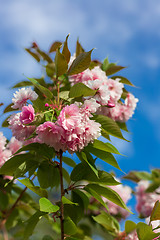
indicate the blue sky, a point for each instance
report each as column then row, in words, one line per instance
column 126, row 31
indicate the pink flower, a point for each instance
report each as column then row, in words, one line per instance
column 4, row 156
column 115, row 88
column 22, row 96
column 14, row 145
column 90, row 106
column 132, row 236
column 20, row 131
column 69, row 117
column 27, row 115
column 2, row 141
column 145, row 201
column 51, row 134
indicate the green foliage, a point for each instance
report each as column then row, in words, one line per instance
column 60, row 64
column 41, row 88
column 80, row 89
column 145, row 232
column 47, row 206
column 129, row 226
column 155, row 214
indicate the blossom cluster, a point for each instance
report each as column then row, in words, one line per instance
column 7, row 149
column 108, row 94
column 72, row 130
column 145, row 200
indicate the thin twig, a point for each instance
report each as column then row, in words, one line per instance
column 62, row 194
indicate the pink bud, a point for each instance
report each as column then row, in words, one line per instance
column 46, row 105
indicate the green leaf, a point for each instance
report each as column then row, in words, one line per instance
column 41, row 148
column 70, row 162
column 41, row 88
column 69, row 226
column 84, row 198
column 22, row 84
column 81, row 63
column 106, row 147
column 47, row 206
column 66, row 51
column 13, row 163
column 155, row 214
column 112, row 69
column 55, row 46
column 5, row 122
column 34, row 55
column 123, row 126
column 123, row 80
column 67, row 201
column 109, row 126
column 45, row 56
column 60, row 64
column 82, row 156
column 48, row 175
column 79, row 48
column 108, row 193
column 106, row 178
column 31, row 224
column 105, row 64
column 145, row 232
column 9, row 108
column 80, row 89
column 50, row 69
column 4, row 200
column 29, row 184
column 104, row 155
column 66, row 175
column 96, row 196
column 29, row 165
column 130, row 226
column 108, row 222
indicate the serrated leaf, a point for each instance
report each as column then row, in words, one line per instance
column 70, row 162
column 130, row 226
column 29, row 184
column 55, row 46
column 155, row 214
column 40, row 148
column 31, row 224
column 22, row 84
column 94, row 194
column 34, row 55
column 9, row 108
column 112, row 69
column 60, row 64
column 109, row 126
column 80, row 89
column 104, row 155
column 107, row 147
column 67, row 201
column 81, row 63
column 47, row 206
column 79, row 48
column 13, row 163
column 145, row 232
column 108, row 193
column 41, row 88
column 123, row 80
column 45, row 56
column 108, row 222
column 65, row 50
column 69, row 226
column 48, row 175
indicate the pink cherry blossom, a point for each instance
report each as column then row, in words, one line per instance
column 69, row 117
column 51, row 134
column 27, row 115
column 14, row 145
column 22, row 96
column 90, row 106
column 20, row 131
column 2, row 141
column 115, row 88
column 132, row 236
column 145, row 201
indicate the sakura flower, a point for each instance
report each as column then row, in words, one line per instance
column 145, row 201
column 115, row 88
column 20, row 131
column 14, row 145
column 22, row 96
column 132, row 236
column 51, row 134
column 27, row 115
column 90, row 105
column 69, row 117
column 2, row 141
